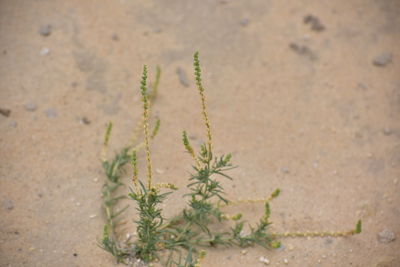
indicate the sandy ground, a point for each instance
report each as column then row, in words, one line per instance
column 312, row 108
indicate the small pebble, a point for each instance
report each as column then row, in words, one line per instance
column 78, row 204
column 182, row 76
column 84, row 120
column 5, row 112
column 8, row 204
column 264, row 260
column 244, row 252
column 285, row 261
column 30, row 106
column 386, row 236
column 244, row 22
column 285, row 170
column 45, row 30
column 92, row 216
column 51, row 113
column 315, row 23
column 95, row 180
column 387, row 131
column 44, row 51
column 303, row 50
column 383, row 59
column 115, row 37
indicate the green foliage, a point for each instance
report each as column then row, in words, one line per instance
column 150, row 234
column 177, row 241
column 358, row 227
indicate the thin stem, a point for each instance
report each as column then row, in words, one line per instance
column 203, row 99
column 146, row 125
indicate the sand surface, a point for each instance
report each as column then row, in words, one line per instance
column 310, row 108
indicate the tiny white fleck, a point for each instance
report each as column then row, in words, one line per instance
column 264, row 260
column 44, row 51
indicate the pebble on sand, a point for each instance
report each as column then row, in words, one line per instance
column 383, row 59
column 5, row 112
column 30, row 106
column 51, row 113
column 182, row 76
column 315, row 23
column 386, row 236
column 45, row 30
column 264, row 260
column 44, row 51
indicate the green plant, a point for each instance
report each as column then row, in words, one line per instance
column 178, row 241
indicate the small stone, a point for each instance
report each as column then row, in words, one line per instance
column 182, row 77
column 244, row 252
column 95, row 180
column 92, row 216
column 244, row 22
column 5, row 112
column 386, row 236
column 44, row 51
column 30, row 106
column 387, row 131
column 115, row 37
column 45, row 30
column 285, row 261
column 285, row 169
column 264, row 260
column 51, row 113
column 315, row 23
column 78, row 204
column 8, row 204
column 290, row 247
column 383, row 59
column 84, row 120
column 303, row 50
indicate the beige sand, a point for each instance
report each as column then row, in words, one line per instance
column 301, row 106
